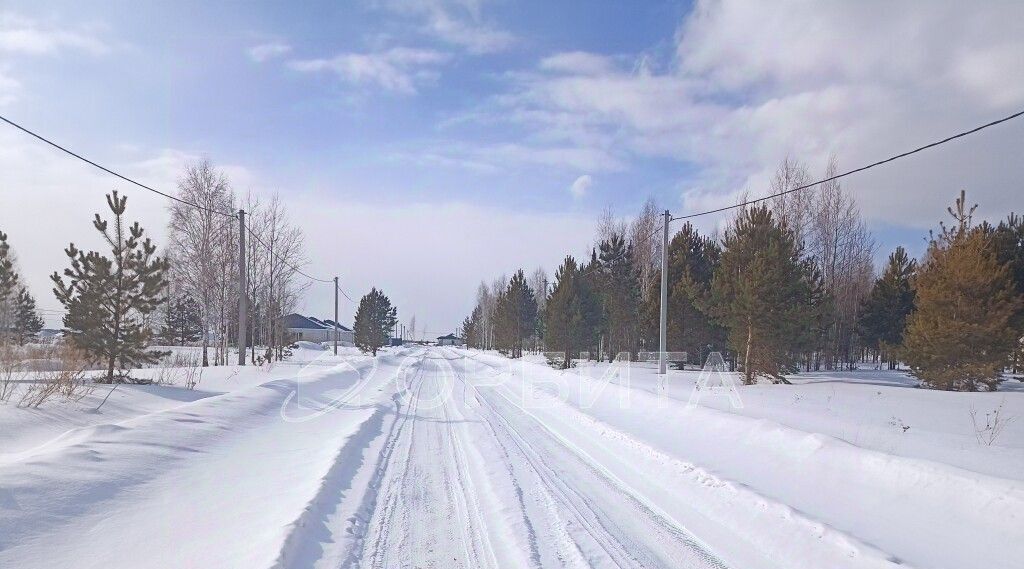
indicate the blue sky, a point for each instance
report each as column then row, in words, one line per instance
column 424, row 145
column 184, row 75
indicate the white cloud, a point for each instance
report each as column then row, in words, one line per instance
column 578, row 62
column 457, row 22
column 579, row 188
column 398, row 69
column 269, row 50
column 25, row 36
column 505, row 156
column 10, row 88
column 750, row 84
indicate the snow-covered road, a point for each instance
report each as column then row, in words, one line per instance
column 437, row 457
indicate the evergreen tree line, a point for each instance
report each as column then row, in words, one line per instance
column 789, row 285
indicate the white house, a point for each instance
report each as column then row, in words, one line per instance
column 449, row 340
column 311, row 329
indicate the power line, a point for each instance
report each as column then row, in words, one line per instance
column 829, row 179
column 295, row 268
column 345, row 294
column 108, row 170
column 255, row 235
column 855, row 170
column 232, row 215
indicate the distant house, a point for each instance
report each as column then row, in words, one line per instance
column 449, row 340
column 309, row 329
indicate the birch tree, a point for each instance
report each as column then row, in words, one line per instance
column 646, row 248
column 198, row 241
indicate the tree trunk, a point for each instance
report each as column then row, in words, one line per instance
column 748, row 377
column 206, row 345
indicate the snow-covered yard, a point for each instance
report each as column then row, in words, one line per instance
column 444, row 457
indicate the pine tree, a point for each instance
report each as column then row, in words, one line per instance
column 27, row 322
column 884, row 313
column 374, row 320
column 109, row 299
column 760, row 294
column 183, row 321
column 960, row 335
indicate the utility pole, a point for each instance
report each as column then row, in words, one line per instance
column 336, row 316
column 243, row 292
column 663, row 334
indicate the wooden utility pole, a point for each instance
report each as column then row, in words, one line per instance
column 663, row 333
column 336, row 332
column 243, row 296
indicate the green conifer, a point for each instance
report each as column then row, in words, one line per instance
column 109, row 299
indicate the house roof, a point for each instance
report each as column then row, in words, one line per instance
column 330, row 324
column 449, row 337
column 301, row 322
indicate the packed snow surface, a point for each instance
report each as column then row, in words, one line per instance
column 442, row 457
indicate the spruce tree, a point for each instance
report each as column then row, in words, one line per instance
column 183, row 321
column 8, row 284
column 814, row 317
column 587, row 306
column 1008, row 243
column 109, row 299
column 515, row 316
column 374, row 320
column 960, row 335
column 467, row 330
column 571, row 316
column 472, row 328
column 504, row 332
column 691, row 264
column 619, row 289
column 884, row 314
column 760, row 294
column 27, row 322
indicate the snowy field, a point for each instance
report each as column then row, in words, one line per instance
column 438, row 457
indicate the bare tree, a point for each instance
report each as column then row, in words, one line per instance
column 283, row 246
column 795, row 208
column 827, row 223
column 608, row 225
column 198, row 242
column 257, row 269
column 646, row 245
column 486, row 303
column 843, row 248
column 539, row 283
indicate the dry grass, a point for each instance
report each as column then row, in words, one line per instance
column 178, row 368
column 12, row 372
column 66, row 378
